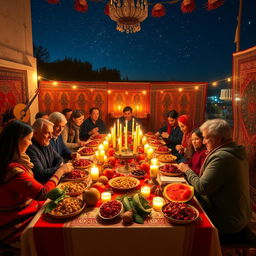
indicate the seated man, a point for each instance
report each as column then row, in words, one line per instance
column 67, row 112
column 92, row 125
column 223, row 183
column 41, row 115
column 45, row 159
column 127, row 115
column 59, row 121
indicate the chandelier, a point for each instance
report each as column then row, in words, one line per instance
column 127, row 15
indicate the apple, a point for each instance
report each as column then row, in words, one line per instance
column 100, row 186
column 141, row 157
column 109, row 173
column 112, row 160
column 145, row 166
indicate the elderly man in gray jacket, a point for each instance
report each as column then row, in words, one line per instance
column 223, row 183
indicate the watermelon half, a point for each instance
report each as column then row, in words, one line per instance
column 178, row 192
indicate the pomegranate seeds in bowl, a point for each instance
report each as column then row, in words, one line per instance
column 111, row 209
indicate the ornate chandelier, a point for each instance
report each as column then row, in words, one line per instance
column 127, row 15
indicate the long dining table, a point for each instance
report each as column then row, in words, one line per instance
column 88, row 234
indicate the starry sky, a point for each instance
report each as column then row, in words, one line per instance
column 177, row 47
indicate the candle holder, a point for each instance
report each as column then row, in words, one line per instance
column 125, row 155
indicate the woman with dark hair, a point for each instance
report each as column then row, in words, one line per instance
column 171, row 131
column 196, row 151
column 20, row 194
column 186, row 125
column 71, row 132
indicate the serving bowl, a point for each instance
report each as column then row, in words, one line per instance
column 110, row 210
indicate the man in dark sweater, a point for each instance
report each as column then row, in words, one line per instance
column 127, row 116
column 92, row 125
column 59, row 121
column 45, row 159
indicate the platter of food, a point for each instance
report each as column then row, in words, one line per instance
column 169, row 170
column 93, row 143
column 180, row 213
column 73, row 188
column 110, row 210
column 86, row 151
column 98, row 137
column 82, row 163
column 67, row 208
column 162, row 150
column 166, row 158
column 149, row 134
column 124, row 183
column 76, row 175
column 156, row 143
column 138, row 173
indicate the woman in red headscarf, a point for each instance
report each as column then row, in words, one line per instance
column 186, row 125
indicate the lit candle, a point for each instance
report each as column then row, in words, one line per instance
column 105, row 144
column 120, row 145
column 144, row 140
column 95, row 173
column 109, row 136
column 145, row 191
column 134, row 143
column 117, row 127
column 153, row 171
column 146, row 147
column 121, row 132
column 126, row 134
column 101, row 155
column 105, row 159
column 154, row 161
column 158, row 202
column 105, row 197
column 140, row 136
column 97, row 155
column 132, row 127
column 150, row 153
column 101, row 147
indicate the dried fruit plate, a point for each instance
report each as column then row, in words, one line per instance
column 173, row 211
column 86, row 151
column 165, row 151
column 112, row 209
column 124, row 183
column 93, row 143
column 166, row 158
column 171, row 171
column 59, row 211
column 139, row 174
column 98, row 137
column 156, row 143
column 76, row 175
column 73, row 188
column 82, row 163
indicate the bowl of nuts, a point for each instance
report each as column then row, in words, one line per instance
column 67, row 208
column 124, row 183
column 110, row 210
column 180, row 213
column 73, row 188
column 139, row 174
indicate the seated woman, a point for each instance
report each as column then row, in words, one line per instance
column 197, row 151
column 186, row 124
column 70, row 134
column 171, row 131
column 20, row 194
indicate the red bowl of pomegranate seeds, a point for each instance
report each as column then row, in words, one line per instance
column 76, row 175
column 110, row 210
column 180, row 213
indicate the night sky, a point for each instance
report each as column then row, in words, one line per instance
column 184, row 47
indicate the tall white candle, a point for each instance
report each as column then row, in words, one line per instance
column 150, row 153
column 118, row 127
column 144, row 140
column 134, row 143
column 94, row 173
column 126, row 135
column 132, row 127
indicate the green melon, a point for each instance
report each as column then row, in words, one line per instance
column 178, row 192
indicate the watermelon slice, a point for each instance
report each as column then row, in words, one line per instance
column 178, row 192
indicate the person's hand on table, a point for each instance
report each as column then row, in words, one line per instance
column 75, row 156
column 165, row 135
column 66, row 168
column 81, row 143
column 157, row 133
column 94, row 131
column 180, row 149
column 182, row 167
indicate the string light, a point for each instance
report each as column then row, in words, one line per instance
column 180, row 89
column 55, row 83
column 196, row 87
column 74, row 87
